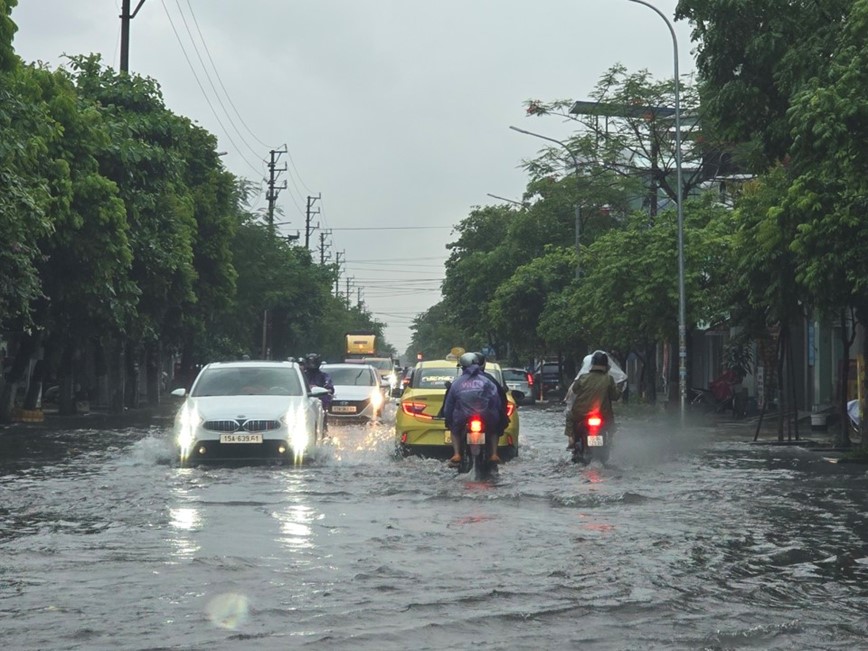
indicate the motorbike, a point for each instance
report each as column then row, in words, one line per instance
column 593, row 440
column 474, row 449
column 719, row 396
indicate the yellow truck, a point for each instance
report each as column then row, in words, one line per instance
column 361, row 343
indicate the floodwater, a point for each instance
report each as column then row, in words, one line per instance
column 690, row 541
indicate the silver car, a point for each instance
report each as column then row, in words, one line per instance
column 248, row 411
column 359, row 392
column 518, row 379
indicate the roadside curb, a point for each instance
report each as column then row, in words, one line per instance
column 52, row 421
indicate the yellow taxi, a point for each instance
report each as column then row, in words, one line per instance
column 419, row 426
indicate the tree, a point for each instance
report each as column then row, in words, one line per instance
column 753, row 56
column 627, row 132
column 829, row 120
column 518, row 302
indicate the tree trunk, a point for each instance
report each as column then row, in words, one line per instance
column 651, row 372
column 152, row 370
column 117, row 375
column 782, row 384
column 843, row 437
column 132, row 369
column 66, row 397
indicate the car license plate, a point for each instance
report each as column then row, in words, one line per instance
column 595, row 442
column 241, row 438
column 344, row 409
column 448, row 437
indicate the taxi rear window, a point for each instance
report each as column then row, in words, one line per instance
column 433, row 378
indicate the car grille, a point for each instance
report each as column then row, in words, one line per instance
column 235, row 426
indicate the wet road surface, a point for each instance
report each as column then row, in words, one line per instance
column 693, row 541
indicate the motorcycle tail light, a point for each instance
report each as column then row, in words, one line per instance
column 475, row 425
column 594, row 421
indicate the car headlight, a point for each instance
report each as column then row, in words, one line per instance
column 377, row 399
column 299, row 439
column 296, row 423
column 189, row 421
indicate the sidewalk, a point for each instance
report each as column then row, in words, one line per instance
column 162, row 414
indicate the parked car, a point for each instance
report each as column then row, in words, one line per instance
column 518, row 379
column 419, row 426
column 547, row 379
column 359, row 394
column 248, row 411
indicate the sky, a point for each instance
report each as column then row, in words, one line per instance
column 395, row 113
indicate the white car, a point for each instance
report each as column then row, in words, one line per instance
column 358, row 392
column 248, row 411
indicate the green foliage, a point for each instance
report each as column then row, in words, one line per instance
column 624, row 138
column 8, row 58
column 753, row 56
column 518, row 303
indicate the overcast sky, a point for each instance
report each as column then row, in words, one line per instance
column 395, row 111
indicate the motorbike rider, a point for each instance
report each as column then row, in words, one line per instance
column 594, row 391
column 319, row 378
column 475, row 392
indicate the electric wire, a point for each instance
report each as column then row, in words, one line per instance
column 205, row 94
column 220, row 80
column 211, row 81
column 231, row 103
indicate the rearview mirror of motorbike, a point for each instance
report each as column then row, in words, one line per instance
column 447, row 384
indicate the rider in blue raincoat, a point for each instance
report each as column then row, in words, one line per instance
column 474, row 393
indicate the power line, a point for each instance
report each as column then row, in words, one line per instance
column 387, row 228
column 226, row 92
column 208, row 76
column 232, row 104
column 204, row 94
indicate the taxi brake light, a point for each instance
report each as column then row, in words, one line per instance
column 510, row 408
column 415, row 409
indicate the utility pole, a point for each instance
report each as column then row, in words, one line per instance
column 348, row 292
column 310, row 213
column 359, row 297
column 322, row 248
column 338, row 256
column 274, row 190
column 126, row 17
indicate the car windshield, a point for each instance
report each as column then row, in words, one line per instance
column 348, row 376
column 380, row 364
column 247, row 381
column 514, row 375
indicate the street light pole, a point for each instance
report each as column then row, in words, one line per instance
column 578, row 187
column 682, row 317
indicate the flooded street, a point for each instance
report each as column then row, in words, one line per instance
column 701, row 541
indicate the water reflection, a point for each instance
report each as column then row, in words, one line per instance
column 184, row 521
column 295, row 525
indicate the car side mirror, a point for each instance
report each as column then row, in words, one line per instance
column 180, row 392
column 318, row 392
column 517, row 395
